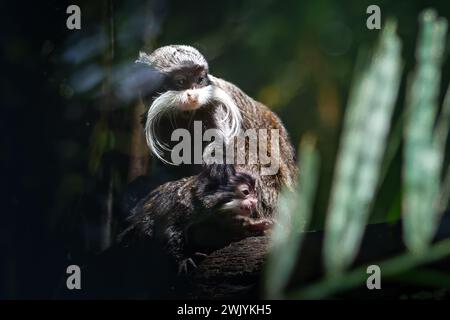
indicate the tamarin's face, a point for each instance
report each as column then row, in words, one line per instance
column 187, row 77
column 188, row 80
column 244, row 200
column 186, row 87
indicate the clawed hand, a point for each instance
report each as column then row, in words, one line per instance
column 188, row 264
column 255, row 226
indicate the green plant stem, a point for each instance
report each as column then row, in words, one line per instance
column 424, row 277
column 355, row 278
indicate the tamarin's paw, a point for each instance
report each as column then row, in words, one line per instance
column 200, row 256
column 255, row 226
column 264, row 225
column 185, row 266
column 269, row 224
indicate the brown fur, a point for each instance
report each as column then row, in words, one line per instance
column 256, row 115
column 185, row 216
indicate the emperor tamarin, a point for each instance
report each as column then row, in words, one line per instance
column 183, row 92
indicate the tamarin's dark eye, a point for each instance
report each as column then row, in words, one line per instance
column 200, row 80
column 181, row 81
column 244, row 189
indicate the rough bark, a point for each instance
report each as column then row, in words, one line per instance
column 231, row 272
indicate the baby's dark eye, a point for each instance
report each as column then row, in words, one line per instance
column 245, row 192
column 200, row 80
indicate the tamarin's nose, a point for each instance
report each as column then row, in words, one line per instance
column 192, row 97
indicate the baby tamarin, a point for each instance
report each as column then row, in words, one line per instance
column 197, row 214
column 183, row 91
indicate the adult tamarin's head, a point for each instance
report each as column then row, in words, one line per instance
column 184, row 86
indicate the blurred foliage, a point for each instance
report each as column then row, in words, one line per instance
column 424, row 146
column 401, row 267
column 103, row 141
column 359, row 169
column 295, row 211
column 359, row 162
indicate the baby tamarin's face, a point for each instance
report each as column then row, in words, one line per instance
column 244, row 200
column 225, row 189
column 239, row 208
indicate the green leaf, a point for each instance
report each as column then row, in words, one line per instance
column 355, row 278
column 360, row 157
column 294, row 212
column 424, row 151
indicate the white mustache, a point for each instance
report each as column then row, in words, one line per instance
column 228, row 118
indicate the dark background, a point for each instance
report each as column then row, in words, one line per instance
column 66, row 119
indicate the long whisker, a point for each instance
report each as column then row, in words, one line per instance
column 226, row 114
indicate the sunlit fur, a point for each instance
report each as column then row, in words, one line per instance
column 227, row 122
column 168, row 58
